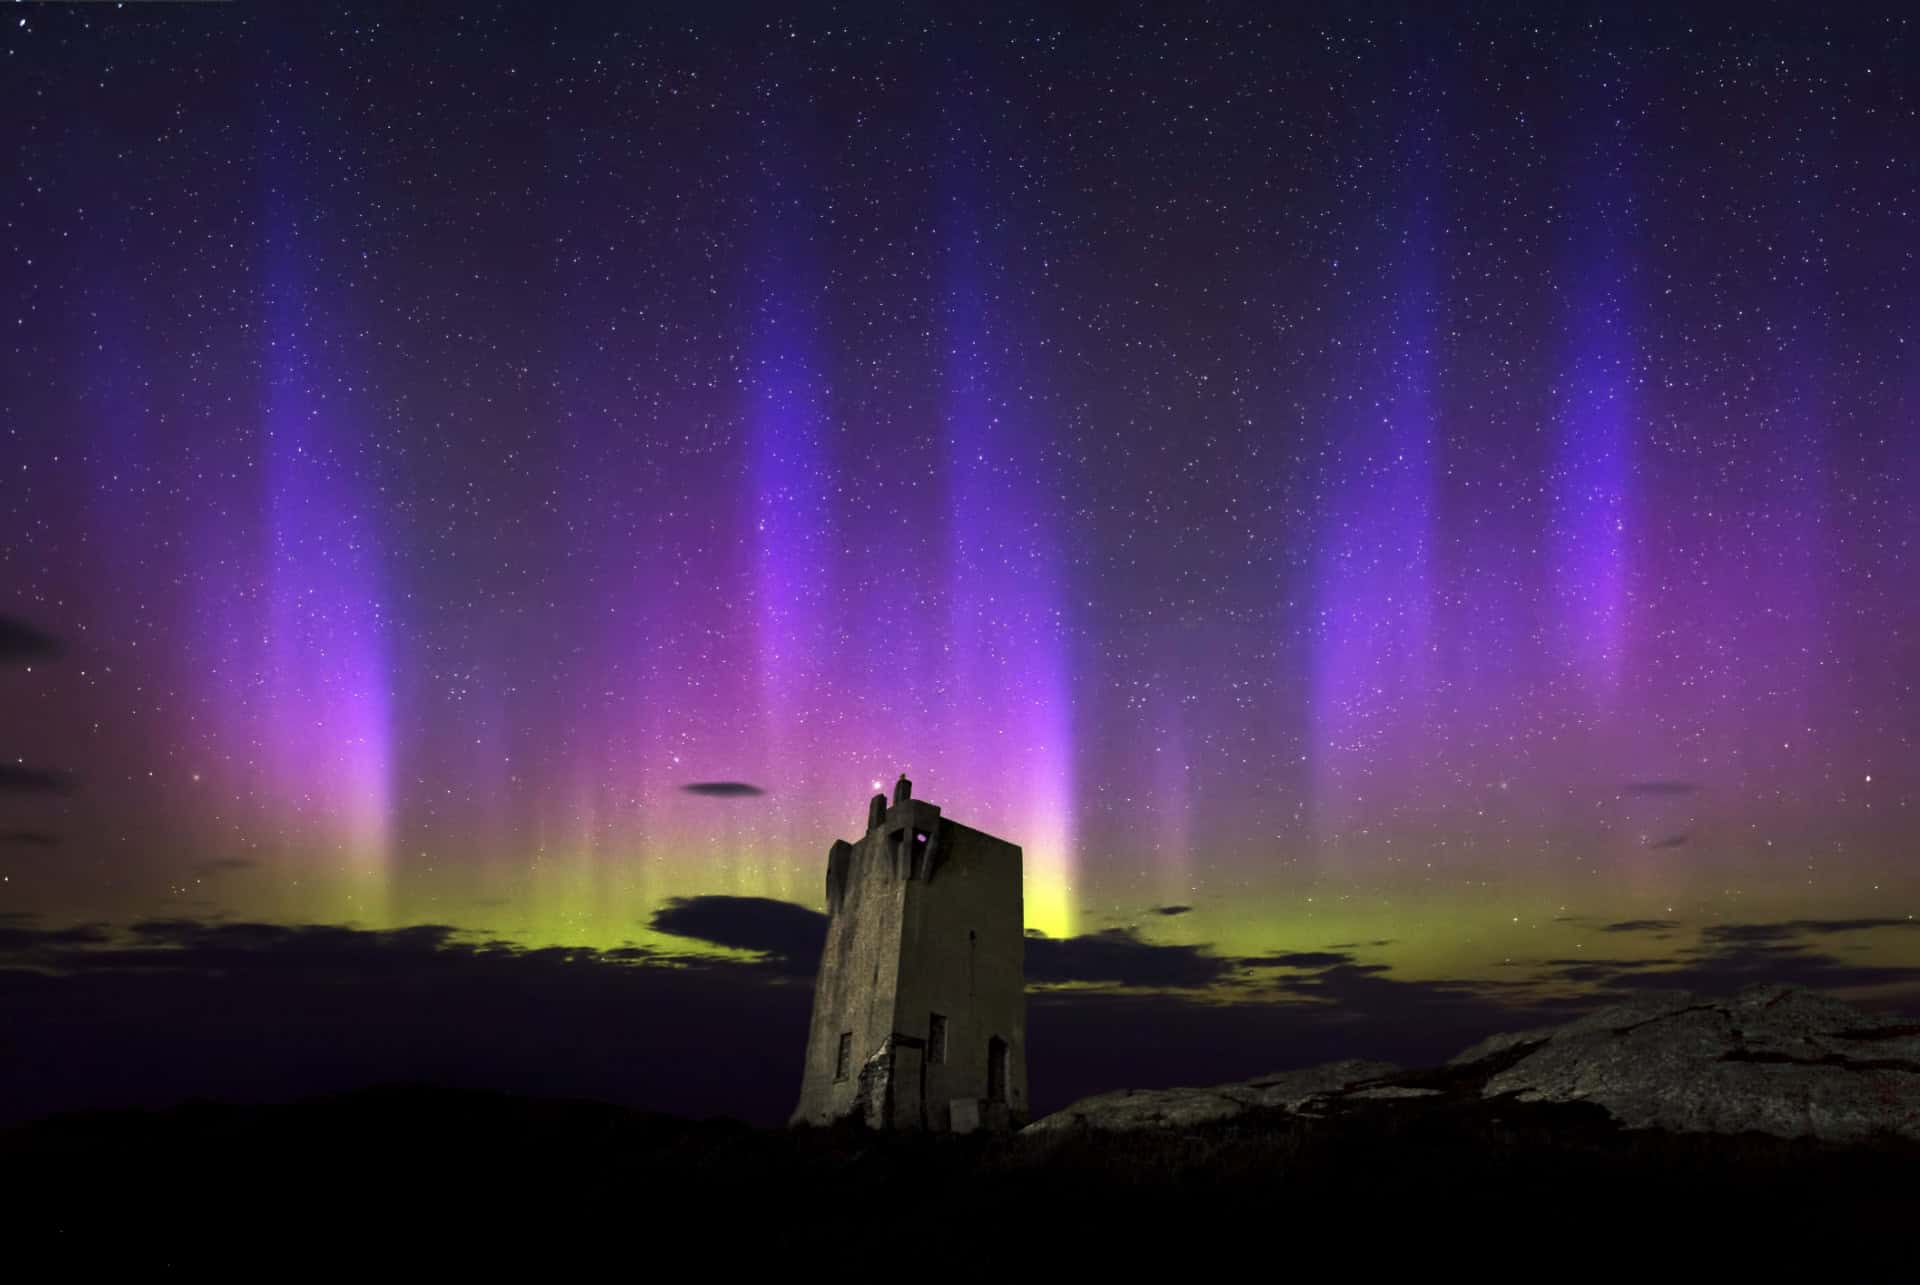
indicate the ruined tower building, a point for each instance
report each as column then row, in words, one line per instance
column 920, row 1008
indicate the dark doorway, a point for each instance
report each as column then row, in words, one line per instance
column 996, row 1070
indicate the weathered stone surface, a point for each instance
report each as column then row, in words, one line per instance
column 1174, row 1108
column 1775, row 1059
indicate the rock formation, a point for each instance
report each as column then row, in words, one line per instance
column 1174, row 1108
column 1781, row 1061
column 1773, row 1059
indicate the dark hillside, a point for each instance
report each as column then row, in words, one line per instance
column 398, row 1176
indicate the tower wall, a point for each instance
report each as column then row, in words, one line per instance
column 859, row 971
column 963, row 956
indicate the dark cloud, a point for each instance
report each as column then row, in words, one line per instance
column 1667, row 788
column 1600, row 971
column 17, row 939
column 1121, row 957
column 176, row 1008
column 1641, row 926
column 28, row 839
column 1172, row 910
column 1297, row 959
column 1347, row 979
column 1724, row 969
column 1786, row 930
column 21, row 642
column 1723, row 934
column 1671, row 841
column 1817, row 926
column 33, row 780
column 1730, row 956
column 789, row 937
column 724, row 789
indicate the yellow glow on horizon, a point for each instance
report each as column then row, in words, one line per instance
column 1049, row 904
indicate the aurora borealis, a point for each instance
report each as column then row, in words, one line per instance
column 1428, row 498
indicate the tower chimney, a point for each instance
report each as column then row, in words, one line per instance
column 902, row 790
column 876, row 811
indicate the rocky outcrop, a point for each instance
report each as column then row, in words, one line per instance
column 1778, row 1060
column 1774, row 1059
column 1174, row 1108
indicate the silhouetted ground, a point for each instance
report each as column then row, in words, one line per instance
column 419, row 1179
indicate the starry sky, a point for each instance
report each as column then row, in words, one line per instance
column 1403, row 518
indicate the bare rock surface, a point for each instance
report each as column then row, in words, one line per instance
column 1389, row 1093
column 1173, row 1108
column 1775, row 1059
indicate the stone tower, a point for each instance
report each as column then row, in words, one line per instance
column 920, row 1008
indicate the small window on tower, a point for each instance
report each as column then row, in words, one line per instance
column 937, row 1038
column 918, row 863
column 844, row 1062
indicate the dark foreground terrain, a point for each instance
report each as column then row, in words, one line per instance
column 423, row 1180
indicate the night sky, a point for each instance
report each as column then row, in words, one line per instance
column 1410, row 522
